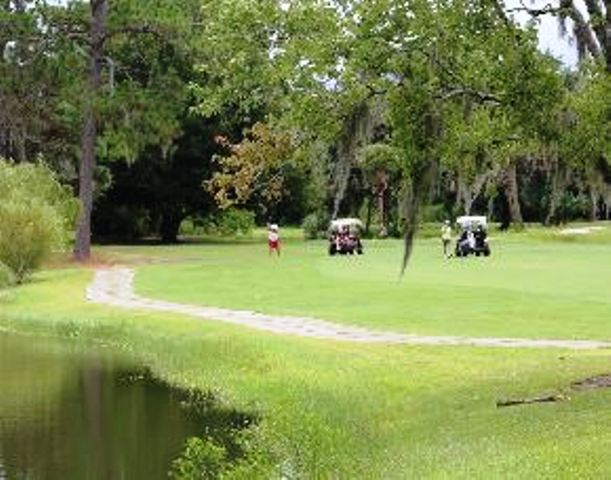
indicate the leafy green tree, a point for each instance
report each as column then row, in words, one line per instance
column 123, row 94
column 591, row 26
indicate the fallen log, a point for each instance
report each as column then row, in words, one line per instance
column 558, row 397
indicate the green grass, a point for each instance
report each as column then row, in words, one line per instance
column 339, row 410
column 527, row 288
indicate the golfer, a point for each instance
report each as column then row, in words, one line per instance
column 446, row 239
column 273, row 239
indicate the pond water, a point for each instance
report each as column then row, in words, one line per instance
column 70, row 414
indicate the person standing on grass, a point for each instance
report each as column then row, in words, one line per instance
column 446, row 239
column 273, row 239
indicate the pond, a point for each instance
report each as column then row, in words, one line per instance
column 67, row 413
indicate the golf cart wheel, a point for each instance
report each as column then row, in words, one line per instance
column 487, row 252
column 332, row 249
column 359, row 251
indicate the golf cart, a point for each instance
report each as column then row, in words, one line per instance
column 345, row 236
column 473, row 237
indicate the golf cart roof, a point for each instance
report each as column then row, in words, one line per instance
column 345, row 222
column 472, row 221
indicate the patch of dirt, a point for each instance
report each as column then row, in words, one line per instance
column 66, row 260
column 580, row 231
column 591, row 383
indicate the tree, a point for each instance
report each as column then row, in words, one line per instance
column 380, row 161
column 114, row 100
column 96, row 40
column 152, row 195
column 592, row 28
column 438, row 82
column 256, row 166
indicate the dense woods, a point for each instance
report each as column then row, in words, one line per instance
column 396, row 112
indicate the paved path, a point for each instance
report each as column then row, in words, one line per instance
column 114, row 286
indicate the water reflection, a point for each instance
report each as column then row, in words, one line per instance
column 69, row 415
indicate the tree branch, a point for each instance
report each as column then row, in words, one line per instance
column 537, row 12
column 498, row 7
column 583, row 31
column 479, row 95
column 597, row 21
column 138, row 30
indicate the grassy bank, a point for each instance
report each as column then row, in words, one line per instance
column 341, row 410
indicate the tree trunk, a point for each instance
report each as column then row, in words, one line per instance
column 20, row 146
column 380, row 191
column 511, row 192
column 82, row 246
column 557, row 186
column 608, row 35
column 382, row 211
column 369, row 212
column 467, row 193
column 491, row 206
column 170, row 224
column 462, row 195
column 593, row 204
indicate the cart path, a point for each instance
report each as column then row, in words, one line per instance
column 114, row 286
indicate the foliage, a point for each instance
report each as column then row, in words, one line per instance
column 152, row 196
column 315, row 225
column 434, row 213
column 255, row 165
column 224, row 223
column 36, row 214
column 379, row 156
column 203, row 458
column 6, row 276
column 584, row 138
column 233, row 221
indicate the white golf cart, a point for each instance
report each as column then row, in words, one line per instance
column 473, row 238
column 345, row 236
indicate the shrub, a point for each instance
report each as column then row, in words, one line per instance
column 6, row 276
column 235, row 222
column 228, row 222
column 315, row 225
column 36, row 215
column 202, row 458
column 434, row 213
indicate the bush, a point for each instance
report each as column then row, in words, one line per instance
column 315, row 225
column 235, row 222
column 434, row 213
column 6, row 276
column 206, row 458
column 36, row 216
column 229, row 222
column 202, row 458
